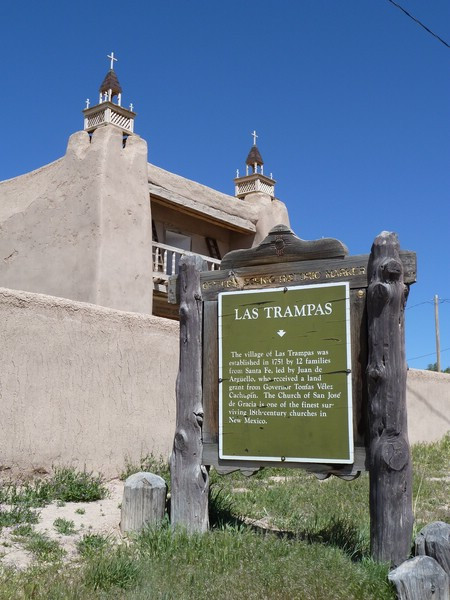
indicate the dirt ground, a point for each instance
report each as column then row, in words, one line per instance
column 101, row 517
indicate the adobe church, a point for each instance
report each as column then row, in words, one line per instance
column 103, row 225
column 89, row 344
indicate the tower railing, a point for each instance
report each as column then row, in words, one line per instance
column 166, row 261
column 108, row 113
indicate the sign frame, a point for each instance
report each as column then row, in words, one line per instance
column 347, row 424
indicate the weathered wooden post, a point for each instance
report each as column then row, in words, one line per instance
column 189, row 478
column 420, row 578
column 391, row 517
column 434, row 540
column 144, row 502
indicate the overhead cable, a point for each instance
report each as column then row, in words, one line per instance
column 420, row 23
column 425, row 355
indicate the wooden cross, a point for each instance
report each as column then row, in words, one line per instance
column 254, row 137
column 111, row 56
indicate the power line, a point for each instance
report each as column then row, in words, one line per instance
column 425, row 355
column 419, row 23
column 441, row 301
column 419, row 304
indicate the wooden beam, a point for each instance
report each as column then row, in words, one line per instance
column 284, row 274
column 201, row 211
column 211, row 457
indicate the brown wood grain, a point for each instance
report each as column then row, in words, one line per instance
column 211, row 457
column 353, row 269
column 189, row 477
column 358, row 340
column 391, row 517
column 282, row 245
column 420, row 578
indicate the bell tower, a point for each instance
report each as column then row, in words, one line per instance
column 108, row 111
column 254, row 179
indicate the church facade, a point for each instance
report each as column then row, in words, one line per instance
column 89, row 352
column 104, row 226
column 89, row 344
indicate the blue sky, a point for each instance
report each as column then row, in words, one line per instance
column 350, row 99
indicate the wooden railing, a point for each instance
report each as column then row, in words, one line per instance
column 166, row 260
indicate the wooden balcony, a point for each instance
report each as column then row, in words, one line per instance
column 166, row 260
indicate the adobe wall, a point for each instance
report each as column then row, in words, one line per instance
column 83, row 385
column 89, row 386
column 80, row 227
column 428, row 403
column 271, row 212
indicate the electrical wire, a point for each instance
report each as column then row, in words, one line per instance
column 419, row 304
column 425, row 355
column 441, row 301
column 420, row 23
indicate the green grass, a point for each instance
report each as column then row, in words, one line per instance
column 116, row 568
column 430, row 482
column 69, row 485
column 64, row 526
column 43, row 548
column 150, row 464
column 92, row 543
column 17, row 514
column 34, row 494
column 22, row 531
column 294, row 539
column 65, row 485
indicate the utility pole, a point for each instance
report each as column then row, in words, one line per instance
column 438, row 343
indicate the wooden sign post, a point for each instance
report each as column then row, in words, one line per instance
column 302, row 361
column 390, row 470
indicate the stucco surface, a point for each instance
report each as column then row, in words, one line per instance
column 271, row 212
column 83, row 385
column 80, row 227
column 428, row 403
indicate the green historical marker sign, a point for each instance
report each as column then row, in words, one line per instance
column 284, row 372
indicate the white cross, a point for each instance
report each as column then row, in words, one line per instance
column 111, row 56
column 254, row 137
column 131, row 107
column 87, row 102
